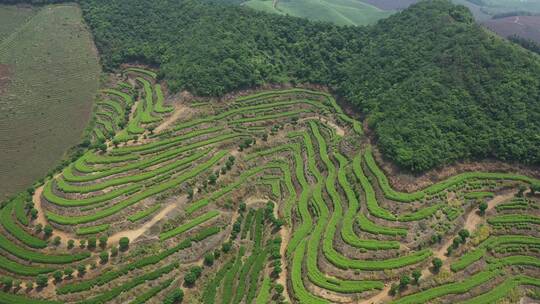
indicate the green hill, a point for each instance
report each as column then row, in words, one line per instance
column 434, row 85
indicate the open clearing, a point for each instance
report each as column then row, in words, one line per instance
column 52, row 75
column 273, row 195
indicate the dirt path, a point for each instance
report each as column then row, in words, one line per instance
column 179, row 111
column 381, row 297
column 113, row 239
column 41, row 219
column 136, row 233
column 473, row 220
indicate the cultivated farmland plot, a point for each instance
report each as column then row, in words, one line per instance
column 52, row 72
column 272, row 197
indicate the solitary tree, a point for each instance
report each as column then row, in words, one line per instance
column 190, row 278
column 394, row 289
column 41, row 280
column 58, row 275
column 57, row 241
column 48, row 231
column 482, row 208
column 34, row 213
column 521, row 189
column 209, row 259
column 437, row 264
column 114, row 251
column 92, row 242
column 70, row 244
column 8, row 283
column 68, row 272
column 212, row 179
column 104, row 257
column 103, row 241
column 174, row 297
column 416, row 274
column 464, row 234
column 124, row 243
column 81, row 269
column 404, row 281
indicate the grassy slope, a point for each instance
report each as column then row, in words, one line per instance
column 48, row 103
column 342, row 12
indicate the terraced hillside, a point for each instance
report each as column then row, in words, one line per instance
column 266, row 198
column 49, row 74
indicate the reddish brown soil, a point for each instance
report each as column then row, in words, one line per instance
column 5, row 72
column 391, row 4
column 524, row 26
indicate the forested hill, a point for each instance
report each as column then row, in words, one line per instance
column 435, row 87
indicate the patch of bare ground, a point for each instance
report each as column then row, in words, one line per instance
column 180, row 111
column 5, row 72
column 407, row 182
column 134, row 234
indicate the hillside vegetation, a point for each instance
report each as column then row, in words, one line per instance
column 434, row 86
column 269, row 197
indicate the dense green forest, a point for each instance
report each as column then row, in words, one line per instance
column 434, row 86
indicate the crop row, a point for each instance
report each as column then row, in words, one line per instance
column 152, row 292
column 141, row 263
column 116, row 291
column 226, row 189
column 440, row 186
column 23, row 270
column 164, row 144
column 502, row 290
column 92, row 229
column 446, row 289
column 65, row 187
column 189, row 225
column 142, row 71
column 49, row 195
column 159, row 107
column 514, row 219
column 33, row 256
column 6, row 217
column 74, row 220
column 145, row 163
column 146, row 116
column 144, row 213
column 492, row 242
